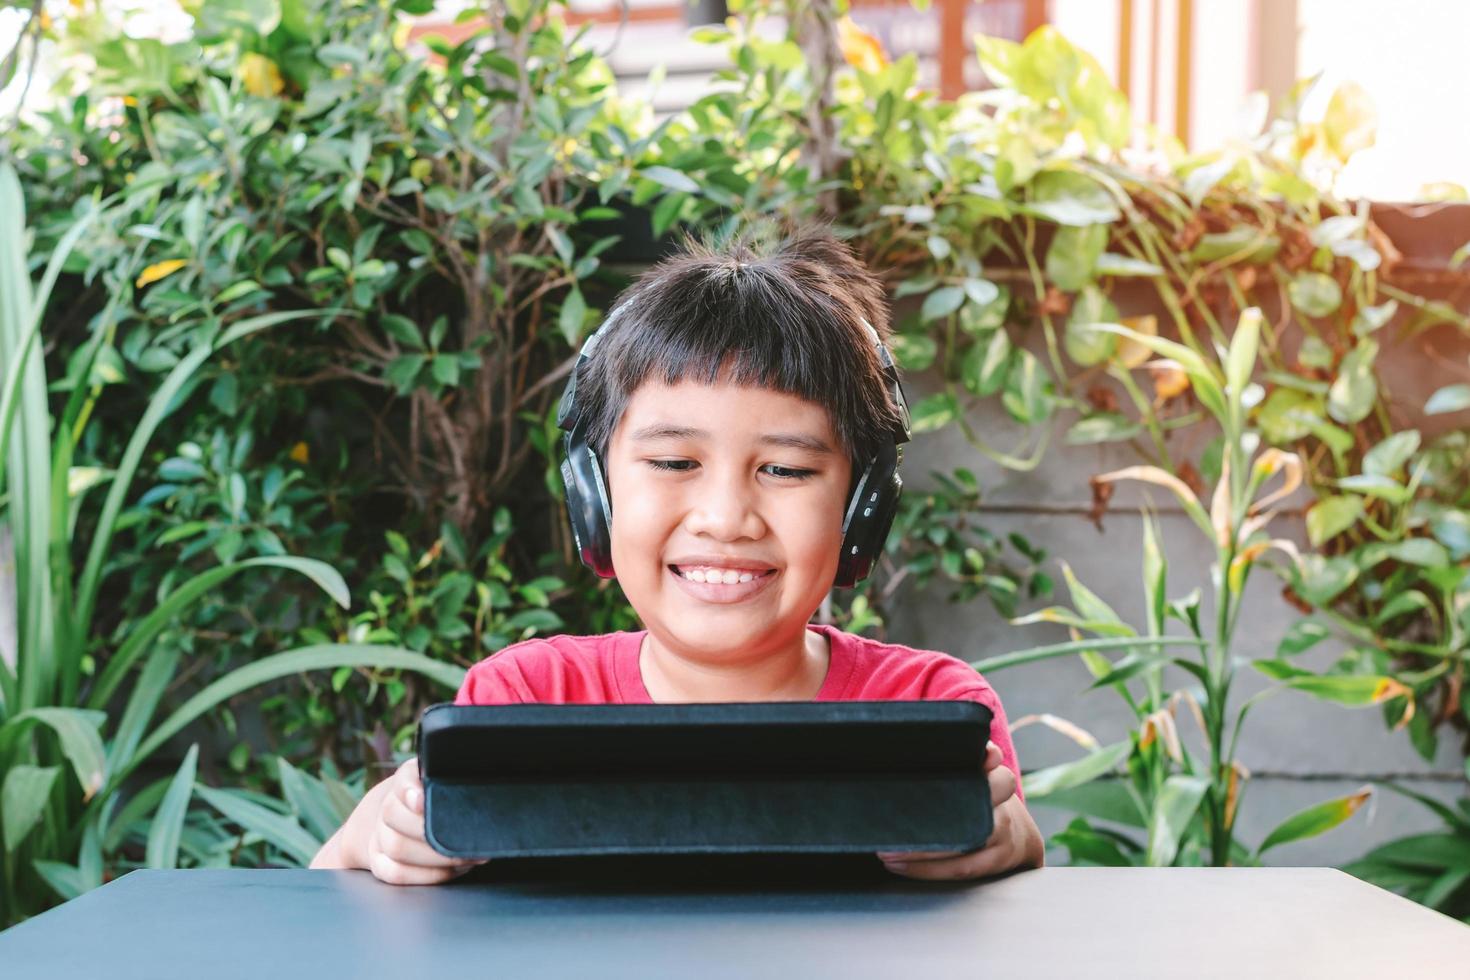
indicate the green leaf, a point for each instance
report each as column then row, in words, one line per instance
column 278, row 830
column 1070, row 198
column 1026, row 396
column 1087, row 602
column 941, row 303
column 1418, row 551
column 1320, row 579
column 76, row 730
column 1242, row 244
column 1086, row 846
column 1435, row 851
column 1086, row 345
column 913, row 351
column 1073, row 252
column 1241, row 359
column 987, row 364
column 934, row 412
column 1392, row 453
column 1314, row 820
column 1111, row 264
column 1374, row 485
column 168, row 824
column 445, row 369
column 309, row 800
column 1330, row 516
column 403, row 330
column 23, row 798
column 1353, row 393
column 1174, row 809
column 670, row 178
column 1103, row 799
column 1314, row 293
column 1303, row 635
column 1042, row 782
column 1452, row 398
column 1353, row 690
column 1102, row 427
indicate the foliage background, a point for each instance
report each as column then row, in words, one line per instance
column 464, row 214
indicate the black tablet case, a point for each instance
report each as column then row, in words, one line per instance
column 773, row 777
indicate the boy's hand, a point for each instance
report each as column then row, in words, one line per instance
column 1015, row 842
column 385, row 835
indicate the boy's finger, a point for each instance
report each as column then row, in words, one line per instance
column 386, row 869
column 978, row 864
column 400, row 818
column 993, row 756
column 887, row 856
column 1002, row 785
column 407, row 849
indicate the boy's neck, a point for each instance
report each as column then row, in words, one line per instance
column 795, row 673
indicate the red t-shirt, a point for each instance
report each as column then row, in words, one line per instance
column 604, row 670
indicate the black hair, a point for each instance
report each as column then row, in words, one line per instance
column 779, row 310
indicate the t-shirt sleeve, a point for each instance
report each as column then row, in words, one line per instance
column 960, row 682
column 501, row 679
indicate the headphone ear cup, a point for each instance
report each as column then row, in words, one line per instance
column 870, row 514
column 589, row 509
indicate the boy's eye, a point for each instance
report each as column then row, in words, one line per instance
column 685, row 465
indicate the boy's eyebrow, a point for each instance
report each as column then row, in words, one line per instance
column 789, row 440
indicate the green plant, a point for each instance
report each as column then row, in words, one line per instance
column 65, row 704
column 1432, row 869
column 1187, row 801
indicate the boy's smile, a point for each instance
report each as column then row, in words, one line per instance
column 727, row 507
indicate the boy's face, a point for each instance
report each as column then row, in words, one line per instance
column 742, row 487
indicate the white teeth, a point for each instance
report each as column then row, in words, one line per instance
column 718, row 576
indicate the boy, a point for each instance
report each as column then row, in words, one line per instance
column 732, row 404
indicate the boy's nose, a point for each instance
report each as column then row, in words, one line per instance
column 725, row 510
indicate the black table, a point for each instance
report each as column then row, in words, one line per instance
column 1060, row 922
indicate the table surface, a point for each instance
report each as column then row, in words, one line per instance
column 1058, row 922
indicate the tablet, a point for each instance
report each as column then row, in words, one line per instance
column 535, row 780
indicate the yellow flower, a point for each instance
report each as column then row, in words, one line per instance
column 860, row 48
column 260, row 75
column 159, row 270
column 301, row 453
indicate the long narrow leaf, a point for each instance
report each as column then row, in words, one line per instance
column 168, row 823
column 1043, row 782
column 76, row 730
column 309, row 800
column 136, row 810
column 1315, row 820
column 185, row 595
column 153, row 680
column 1079, row 646
column 323, row 657
column 1174, row 808
column 279, row 830
column 27, row 465
column 23, row 799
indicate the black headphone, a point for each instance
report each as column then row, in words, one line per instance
column 870, row 508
